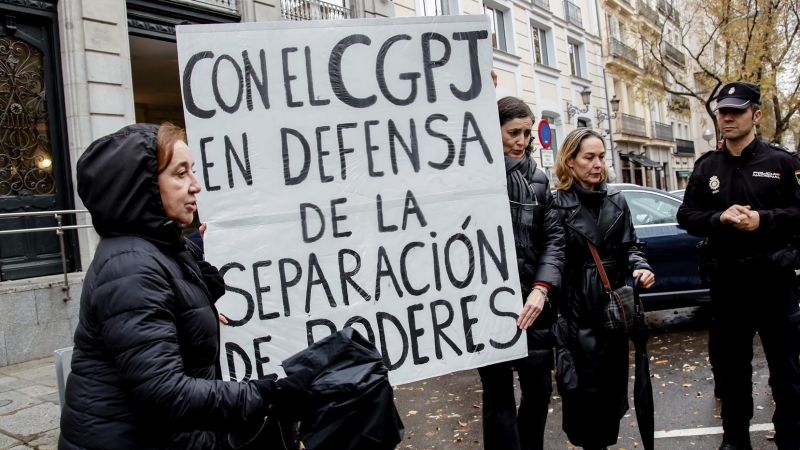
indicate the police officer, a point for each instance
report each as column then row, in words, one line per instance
column 745, row 198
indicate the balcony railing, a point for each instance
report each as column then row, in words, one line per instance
column 684, row 147
column 228, row 5
column 662, row 131
column 678, row 103
column 669, row 10
column 573, row 13
column 648, row 13
column 632, row 125
column 544, row 4
column 674, row 54
column 618, row 49
column 312, row 10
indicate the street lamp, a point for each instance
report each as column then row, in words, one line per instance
column 601, row 115
column 708, row 135
column 586, row 97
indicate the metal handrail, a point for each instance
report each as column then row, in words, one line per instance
column 313, row 10
column 673, row 53
column 544, row 4
column 59, row 229
column 621, row 50
column 662, row 131
column 229, row 5
column 572, row 13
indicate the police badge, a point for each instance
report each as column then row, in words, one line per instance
column 713, row 183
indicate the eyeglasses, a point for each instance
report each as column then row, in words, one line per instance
column 526, row 206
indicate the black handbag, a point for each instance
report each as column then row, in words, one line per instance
column 622, row 303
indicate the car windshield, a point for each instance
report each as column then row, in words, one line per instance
column 648, row 208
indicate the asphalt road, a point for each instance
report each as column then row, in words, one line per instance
column 445, row 412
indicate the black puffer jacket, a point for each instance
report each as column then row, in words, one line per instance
column 542, row 262
column 144, row 367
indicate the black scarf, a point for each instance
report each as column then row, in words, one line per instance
column 591, row 200
column 521, row 197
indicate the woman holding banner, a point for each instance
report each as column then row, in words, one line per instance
column 145, row 364
column 593, row 213
column 539, row 243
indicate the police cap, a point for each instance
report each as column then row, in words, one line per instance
column 738, row 95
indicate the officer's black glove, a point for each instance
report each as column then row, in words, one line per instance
column 294, row 400
column 214, row 281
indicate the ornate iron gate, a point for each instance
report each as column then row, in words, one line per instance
column 34, row 163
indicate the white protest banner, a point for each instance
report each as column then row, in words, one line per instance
column 353, row 174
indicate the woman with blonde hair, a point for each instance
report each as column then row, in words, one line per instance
column 593, row 212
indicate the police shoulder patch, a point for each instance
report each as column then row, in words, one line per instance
column 778, row 147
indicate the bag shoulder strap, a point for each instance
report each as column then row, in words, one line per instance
column 599, row 264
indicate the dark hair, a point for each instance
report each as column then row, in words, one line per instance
column 754, row 107
column 513, row 108
column 168, row 135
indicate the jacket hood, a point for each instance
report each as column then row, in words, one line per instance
column 118, row 183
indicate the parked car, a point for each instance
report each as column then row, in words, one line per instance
column 670, row 250
column 679, row 193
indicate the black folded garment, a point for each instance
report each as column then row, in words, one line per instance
column 355, row 407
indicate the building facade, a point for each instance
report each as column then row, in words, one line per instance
column 72, row 71
column 655, row 137
column 546, row 52
column 76, row 70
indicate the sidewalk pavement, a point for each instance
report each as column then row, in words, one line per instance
column 29, row 407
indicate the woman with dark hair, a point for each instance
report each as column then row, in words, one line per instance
column 539, row 243
column 593, row 212
column 145, row 371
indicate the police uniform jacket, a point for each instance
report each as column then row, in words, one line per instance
column 765, row 177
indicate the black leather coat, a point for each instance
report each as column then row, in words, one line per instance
column 592, row 415
column 144, row 367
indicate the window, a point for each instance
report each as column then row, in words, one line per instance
column 612, row 27
column 583, row 123
column 540, row 46
column 498, row 28
column 651, row 209
column 431, row 7
column 575, row 60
